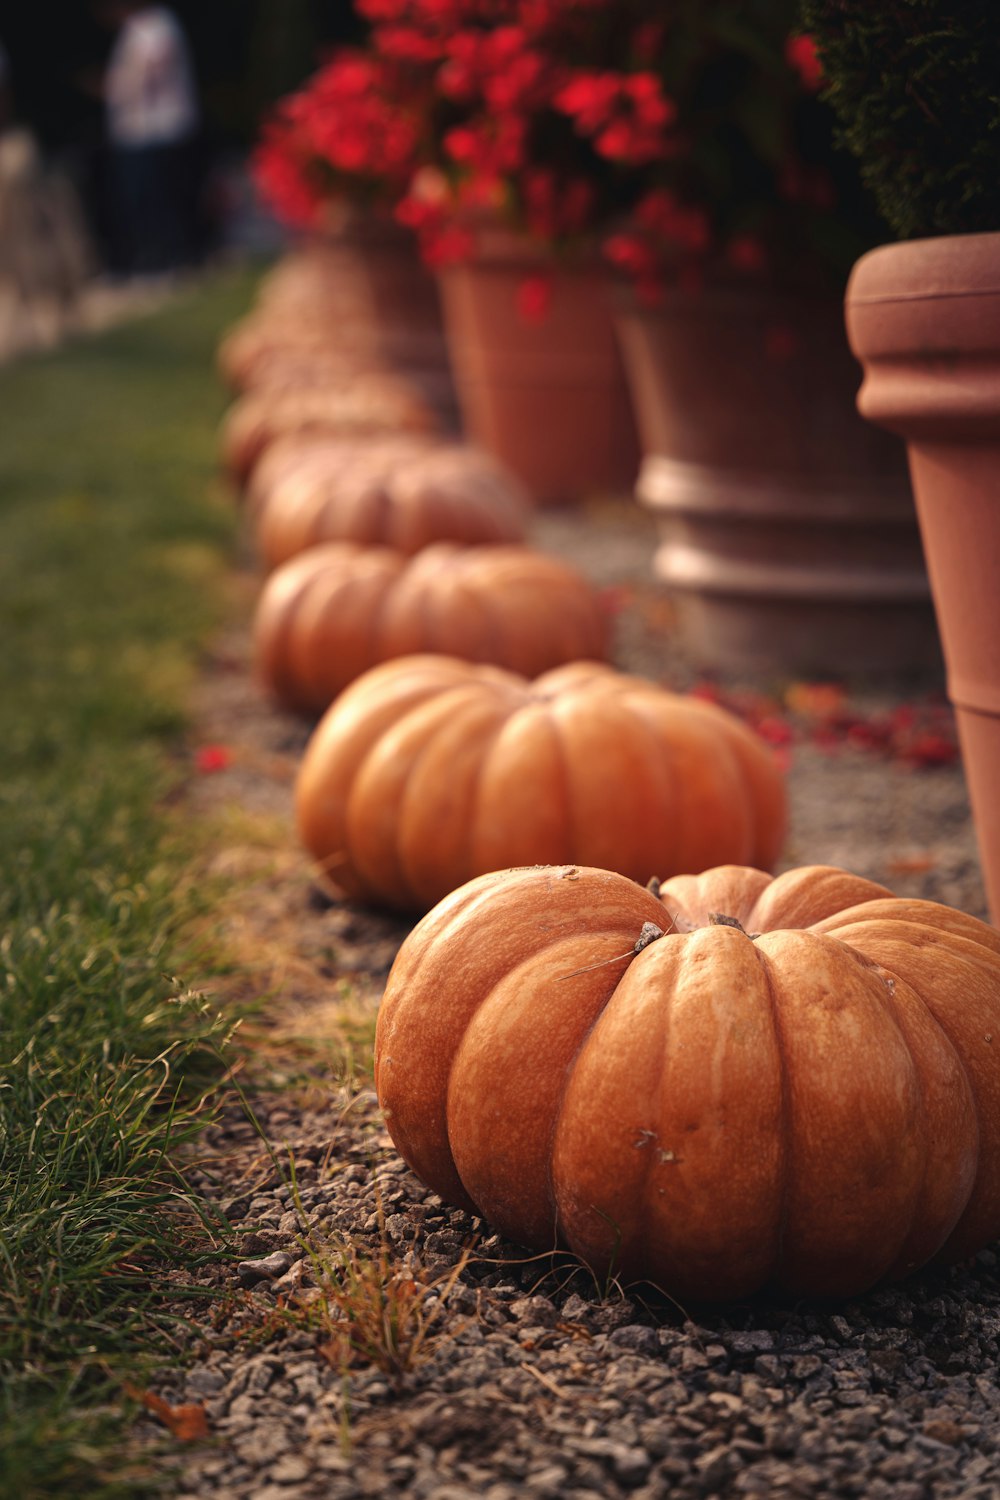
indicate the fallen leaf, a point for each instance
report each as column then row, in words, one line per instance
column 911, row 864
column 928, row 750
column 815, row 700
column 188, row 1423
column 776, row 731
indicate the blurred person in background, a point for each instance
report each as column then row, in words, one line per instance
column 44, row 255
column 153, row 122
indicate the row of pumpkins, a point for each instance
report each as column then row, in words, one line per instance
column 719, row 1081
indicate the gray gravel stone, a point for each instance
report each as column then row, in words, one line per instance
column 265, row 1268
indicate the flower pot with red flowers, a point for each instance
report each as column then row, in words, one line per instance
column 537, row 367
column 332, row 160
column 788, row 540
column 507, row 198
column 924, row 318
column 681, row 149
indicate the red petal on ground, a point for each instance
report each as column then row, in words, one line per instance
column 928, row 750
column 775, row 731
column 212, row 758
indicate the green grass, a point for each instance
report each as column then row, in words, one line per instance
column 112, row 559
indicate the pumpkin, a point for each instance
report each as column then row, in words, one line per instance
column 429, row 770
column 332, row 612
column 367, row 404
column 286, row 456
column 794, row 1087
column 312, row 279
column 394, row 495
column 270, row 351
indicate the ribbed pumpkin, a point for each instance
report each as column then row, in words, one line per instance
column 807, row 1101
column 268, row 351
column 286, row 456
column 393, row 495
column 430, row 770
column 368, row 404
column 332, row 612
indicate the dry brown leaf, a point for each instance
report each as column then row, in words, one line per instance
column 188, row 1423
column 911, row 864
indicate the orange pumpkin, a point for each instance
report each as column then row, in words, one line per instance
column 398, row 495
column 368, row 404
column 286, row 456
column 807, row 1101
column 267, row 351
column 430, row 770
column 332, row 612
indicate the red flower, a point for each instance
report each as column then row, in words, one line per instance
column 590, row 98
column 627, row 115
column 280, row 174
column 664, row 218
column 801, row 54
column 558, row 115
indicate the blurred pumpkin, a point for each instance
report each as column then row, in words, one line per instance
column 258, row 354
column 369, row 404
column 429, row 770
column 795, row 1086
column 332, row 612
column 284, row 457
column 396, row 495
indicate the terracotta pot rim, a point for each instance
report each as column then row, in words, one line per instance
column 956, row 268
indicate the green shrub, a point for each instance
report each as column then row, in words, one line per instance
column 916, row 85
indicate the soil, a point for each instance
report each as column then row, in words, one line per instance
column 511, row 1374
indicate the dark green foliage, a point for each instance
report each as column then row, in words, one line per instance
column 916, row 84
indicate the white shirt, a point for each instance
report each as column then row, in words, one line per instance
column 149, row 87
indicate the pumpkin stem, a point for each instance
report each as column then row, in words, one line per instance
column 648, row 933
column 719, row 919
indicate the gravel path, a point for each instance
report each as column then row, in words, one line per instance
column 517, row 1376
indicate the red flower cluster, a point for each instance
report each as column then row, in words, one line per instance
column 668, row 140
column 352, row 132
column 627, row 116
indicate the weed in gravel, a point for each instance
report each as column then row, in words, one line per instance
column 363, row 1307
column 374, row 1309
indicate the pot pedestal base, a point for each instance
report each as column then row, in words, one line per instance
column 797, row 578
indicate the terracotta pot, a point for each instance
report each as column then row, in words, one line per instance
column 788, row 539
column 361, row 289
column 400, row 292
column 924, row 318
column 547, row 397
